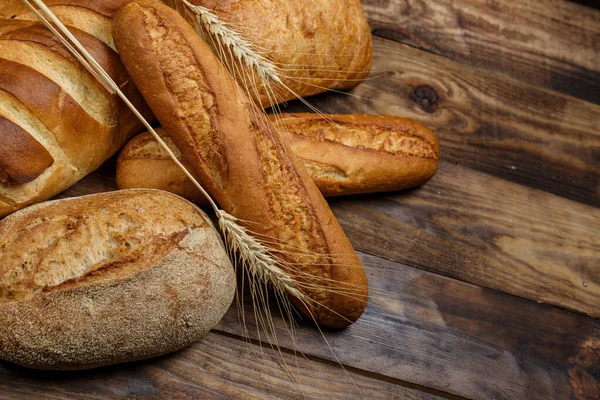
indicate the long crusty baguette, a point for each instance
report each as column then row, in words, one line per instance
column 235, row 151
column 312, row 47
column 343, row 154
column 109, row 278
column 57, row 123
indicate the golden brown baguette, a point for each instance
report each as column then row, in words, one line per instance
column 234, row 149
column 313, row 47
column 109, row 278
column 57, row 122
column 352, row 154
column 343, row 154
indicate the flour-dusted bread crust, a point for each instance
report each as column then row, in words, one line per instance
column 343, row 154
column 314, row 45
column 236, row 152
column 109, row 278
column 57, row 123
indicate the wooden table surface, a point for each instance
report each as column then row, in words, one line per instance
column 485, row 281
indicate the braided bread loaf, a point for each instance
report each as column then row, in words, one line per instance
column 57, row 123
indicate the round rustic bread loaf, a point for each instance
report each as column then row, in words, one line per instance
column 109, row 278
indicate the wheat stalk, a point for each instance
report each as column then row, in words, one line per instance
column 228, row 43
column 229, row 39
column 254, row 254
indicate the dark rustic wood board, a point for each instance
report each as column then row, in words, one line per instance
column 484, row 120
column 458, row 338
column 217, row 367
column 457, row 267
column 489, row 232
column 550, row 43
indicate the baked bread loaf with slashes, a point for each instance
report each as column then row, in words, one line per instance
column 233, row 148
column 57, row 123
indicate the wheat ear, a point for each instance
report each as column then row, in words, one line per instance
column 253, row 253
column 228, row 44
column 229, row 39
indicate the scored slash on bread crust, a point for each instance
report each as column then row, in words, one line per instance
column 15, row 150
column 378, row 133
column 54, row 100
column 38, row 242
column 112, row 277
column 260, row 182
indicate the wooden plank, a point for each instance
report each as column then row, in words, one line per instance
column 441, row 333
column 552, row 43
column 488, row 232
column 486, row 121
column 216, row 367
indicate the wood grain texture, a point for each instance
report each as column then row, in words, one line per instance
column 552, row 43
column 483, row 120
column 448, row 335
column 217, row 367
column 488, row 232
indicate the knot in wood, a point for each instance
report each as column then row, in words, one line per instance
column 426, row 97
